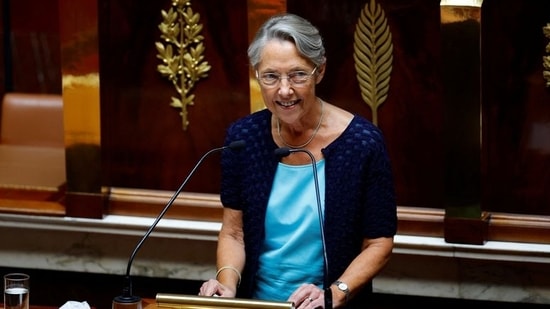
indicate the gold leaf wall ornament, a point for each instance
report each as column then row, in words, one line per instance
column 546, row 59
column 181, row 53
column 373, row 56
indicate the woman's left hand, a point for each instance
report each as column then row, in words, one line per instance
column 213, row 287
column 308, row 296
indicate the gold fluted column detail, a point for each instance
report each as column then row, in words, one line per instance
column 462, row 102
column 258, row 12
column 81, row 105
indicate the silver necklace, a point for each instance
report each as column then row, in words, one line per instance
column 312, row 135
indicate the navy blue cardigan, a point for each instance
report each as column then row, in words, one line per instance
column 359, row 192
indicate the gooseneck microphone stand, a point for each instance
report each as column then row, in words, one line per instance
column 127, row 300
column 285, row 151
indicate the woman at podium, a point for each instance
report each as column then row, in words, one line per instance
column 309, row 203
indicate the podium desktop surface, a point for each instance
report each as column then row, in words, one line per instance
column 149, row 303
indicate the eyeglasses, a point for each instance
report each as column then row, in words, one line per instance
column 296, row 78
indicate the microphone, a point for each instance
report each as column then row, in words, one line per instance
column 127, row 300
column 285, row 151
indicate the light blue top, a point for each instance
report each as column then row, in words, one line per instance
column 292, row 251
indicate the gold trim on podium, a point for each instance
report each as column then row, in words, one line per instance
column 181, row 301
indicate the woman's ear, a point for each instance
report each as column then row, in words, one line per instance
column 320, row 73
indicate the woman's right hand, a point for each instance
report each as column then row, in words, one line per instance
column 213, row 287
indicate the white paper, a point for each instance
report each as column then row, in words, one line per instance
column 71, row 304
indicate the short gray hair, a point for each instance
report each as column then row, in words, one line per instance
column 292, row 28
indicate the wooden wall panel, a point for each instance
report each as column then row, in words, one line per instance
column 144, row 147
column 411, row 117
column 33, row 42
column 516, row 111
column 143, row 142
column 515, row 122
column 5, row 52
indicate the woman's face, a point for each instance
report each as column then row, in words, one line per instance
column 286, row 81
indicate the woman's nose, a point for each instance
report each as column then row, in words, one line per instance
column 285, row 87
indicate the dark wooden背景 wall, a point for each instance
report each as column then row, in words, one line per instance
column 143, row 145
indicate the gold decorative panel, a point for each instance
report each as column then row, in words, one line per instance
column 182, row 53
column 546, row 59
column 373, row 56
